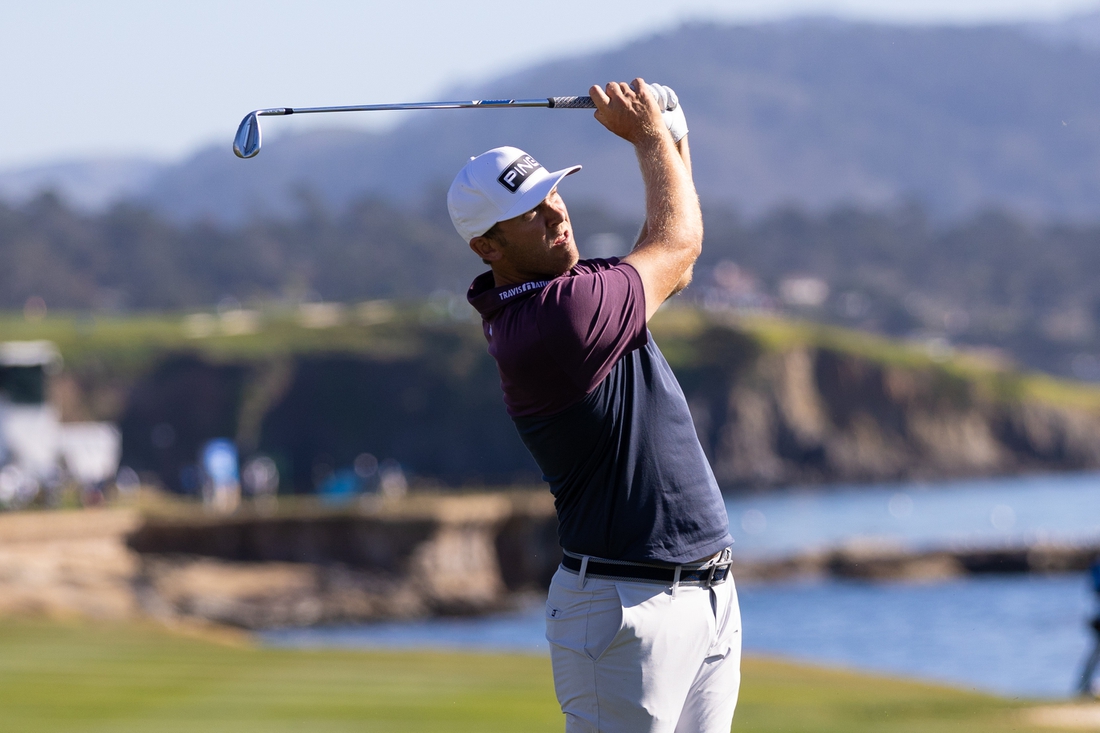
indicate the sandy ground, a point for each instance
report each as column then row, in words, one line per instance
column 60, row 564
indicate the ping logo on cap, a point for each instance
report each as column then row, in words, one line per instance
column 518, row 172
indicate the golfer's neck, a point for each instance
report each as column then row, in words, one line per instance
column 502, row 280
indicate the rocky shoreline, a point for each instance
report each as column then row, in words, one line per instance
column 883, row 562
column 420, row 557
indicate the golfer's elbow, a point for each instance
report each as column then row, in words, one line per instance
column 684, row 281
column 688, row 251
column 695, row 246
column 689, row 237
column 692, row 234
column 690, row 224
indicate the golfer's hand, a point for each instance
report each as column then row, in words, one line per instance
column 628, row 110
column 672, row 112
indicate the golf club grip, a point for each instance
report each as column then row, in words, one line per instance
column 571, row 103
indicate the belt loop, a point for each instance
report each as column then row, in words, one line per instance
column 676, row 579
column 584, row 569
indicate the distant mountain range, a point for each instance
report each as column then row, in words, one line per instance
column 91, row 185
column 813, row 112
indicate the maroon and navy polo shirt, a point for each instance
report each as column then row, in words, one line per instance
column 602, row 413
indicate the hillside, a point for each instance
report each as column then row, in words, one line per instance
column 775, row 402
column 809, row 112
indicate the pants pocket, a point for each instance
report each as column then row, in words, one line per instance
column 728, row 630
column 583, row 621
column 605, row 621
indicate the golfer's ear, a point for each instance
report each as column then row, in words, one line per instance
column 486, row 248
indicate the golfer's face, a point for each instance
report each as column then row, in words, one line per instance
column 540, row 242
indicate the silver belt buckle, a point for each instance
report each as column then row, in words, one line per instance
column 724, row 564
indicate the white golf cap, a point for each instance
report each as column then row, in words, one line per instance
column 497, row 185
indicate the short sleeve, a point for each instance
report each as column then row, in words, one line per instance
column 589, row 320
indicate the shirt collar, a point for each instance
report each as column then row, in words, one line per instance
column 487, row 298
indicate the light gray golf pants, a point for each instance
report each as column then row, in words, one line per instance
column 633, row 657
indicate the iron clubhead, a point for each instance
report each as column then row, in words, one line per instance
column 246, row 144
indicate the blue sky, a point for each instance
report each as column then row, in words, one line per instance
column 120, row 77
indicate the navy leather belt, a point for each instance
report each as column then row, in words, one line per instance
column 707, row 574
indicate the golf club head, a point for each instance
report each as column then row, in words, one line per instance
column 246, row 144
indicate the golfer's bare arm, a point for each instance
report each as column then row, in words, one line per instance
column 685, row 155
column 672, row 237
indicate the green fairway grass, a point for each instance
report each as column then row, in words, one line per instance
column 75, row 677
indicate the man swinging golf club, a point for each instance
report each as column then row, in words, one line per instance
column 642, row 616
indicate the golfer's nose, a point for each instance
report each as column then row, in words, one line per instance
column 554, row 211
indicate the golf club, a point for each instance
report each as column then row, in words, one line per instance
column 247, row 142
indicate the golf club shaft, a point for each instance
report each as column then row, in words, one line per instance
column 551, row 102
column 246, row 144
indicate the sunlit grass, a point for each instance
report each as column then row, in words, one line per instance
column 121, row 342
column 779, row 696
column 74, row 678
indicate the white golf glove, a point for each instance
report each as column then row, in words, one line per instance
column 671, row 111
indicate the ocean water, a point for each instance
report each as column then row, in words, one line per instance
column 1064, row 508
column 1012, row 635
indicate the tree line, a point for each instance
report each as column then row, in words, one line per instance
column 993, row 279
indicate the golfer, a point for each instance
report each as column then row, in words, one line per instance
column 642, row 616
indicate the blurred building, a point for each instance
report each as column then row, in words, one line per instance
column 39, row 453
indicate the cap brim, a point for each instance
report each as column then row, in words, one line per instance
column 534, row 196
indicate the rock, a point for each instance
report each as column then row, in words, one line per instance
column 812, row 415
column 275, row 594
column 60, row 564
column 894, row 565
column 422, row 556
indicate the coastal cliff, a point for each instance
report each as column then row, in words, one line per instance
column 814, row 415
column 775, row 402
